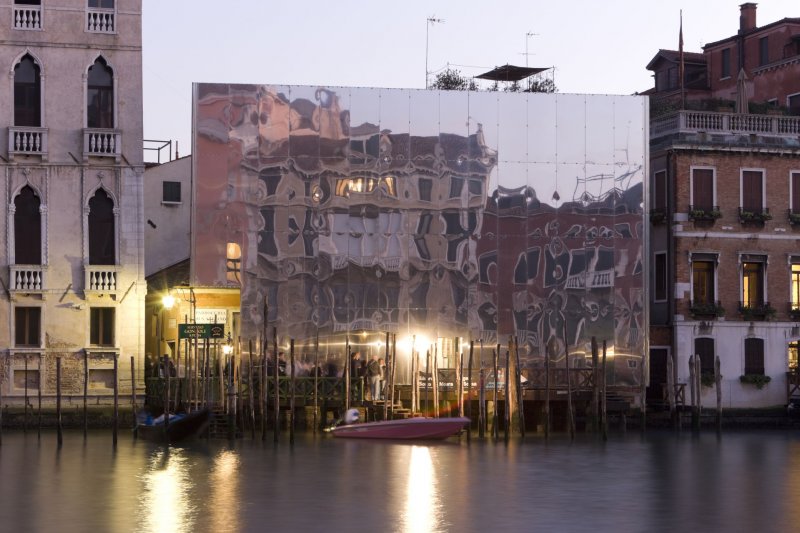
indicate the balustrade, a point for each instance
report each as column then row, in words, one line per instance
column 27, row 17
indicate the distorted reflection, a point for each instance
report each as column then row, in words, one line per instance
column 164, row 504
column 422, row 512
column 224, row 483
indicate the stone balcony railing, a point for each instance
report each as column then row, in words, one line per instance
column 99, row 142
column 100, row 278
column 27, row 17
column 725, row 123
column 27, row 278
column 27, row 141
column 100, row 20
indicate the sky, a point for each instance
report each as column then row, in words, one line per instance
column 595, row 46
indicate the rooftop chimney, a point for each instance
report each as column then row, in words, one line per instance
column 747, row 18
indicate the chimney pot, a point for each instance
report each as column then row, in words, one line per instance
column 747, row 17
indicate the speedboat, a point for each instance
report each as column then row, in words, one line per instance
column 420, row 428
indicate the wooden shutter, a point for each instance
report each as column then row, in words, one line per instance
column 754, row 356
column 796, row 192
column 704, row 349
column 703, row 189
column 660, row 186
column 751, row 191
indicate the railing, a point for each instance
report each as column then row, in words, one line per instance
column 101, row 278
column 27, row 141
column 591, row 280
column 712, row 122
column 27, row 17
column 100, row 20
column 101, row 143
column 26, row 278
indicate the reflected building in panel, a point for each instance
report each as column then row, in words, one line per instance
column 434, row 215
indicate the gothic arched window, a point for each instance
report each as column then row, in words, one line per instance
column 101, row 230
column 27, row 228
column 27, row 93
column 100, row 96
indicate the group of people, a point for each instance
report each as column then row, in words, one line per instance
column 373, row 372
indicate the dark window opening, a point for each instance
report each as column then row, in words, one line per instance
column 425, row 189
column 763, row 51
column 28, row 2
column 27, row 228
column 726, row 63
column 100, row 95
column 661, row 277
column 101, row 230
column 27, row 93
column 795, row 192
column 102, row 326
column 793, row 104
column 704, row 349
column 101, row 4
column 702, row 282
column 456, row 186
column 660, row 190
column 172, row 191
column 27, row 321
column 754, row 356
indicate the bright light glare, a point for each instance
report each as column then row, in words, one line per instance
column 168, row 301
column 421, row 343
column 164, row 502
column 421, row 495
column 227, row 349
column 225, row 495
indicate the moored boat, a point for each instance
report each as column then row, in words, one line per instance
column 403, row 429
column 181, row 426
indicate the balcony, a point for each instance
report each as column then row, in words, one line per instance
column 704, row 213
column 725, row 123
column 100, row 279
column 27, row 17
column 26, row 278
column 101, row 143
column 27, row 141
column 100, row 20
column 762, row 311
column 748, row 216
column 706, row 310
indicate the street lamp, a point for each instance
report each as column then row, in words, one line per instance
column 428, row 23
column 227, row 348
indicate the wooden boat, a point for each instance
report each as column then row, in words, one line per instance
column 403, row 429
column 182, row 426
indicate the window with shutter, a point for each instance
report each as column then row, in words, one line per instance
column 795, row 192
column 703, row 189
column 704, row 349
column 752, row 193
column 754, row 356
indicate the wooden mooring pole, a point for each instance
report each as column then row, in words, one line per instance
column 481, row 395
column 251, row 385
column 166, row 396
column 25, row 415
column 671, row 392
column 133, row 394
column 115, row 429
column 643, row 421
column 495, row 429
column 85, row 393
column 469, row 389
column 595, row 410
column 520, row 391
column 291, row 391
column 604, row 397
column 718, row 387
column 570, row 411
column 546, row 394
column 277, row 392
column 508, row 401
column 693, row 392
column 317, row 371
column 58, row 401
column 39, row 399
column 386, row 372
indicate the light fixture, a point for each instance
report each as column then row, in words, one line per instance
column 168, row 301
column 227, row 348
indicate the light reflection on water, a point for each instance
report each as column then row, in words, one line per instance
column 661, row 482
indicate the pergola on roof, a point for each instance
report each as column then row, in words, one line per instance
column 510, row 73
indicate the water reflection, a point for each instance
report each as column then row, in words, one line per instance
column 164, row 502
column 422, row 499
column 224, row 485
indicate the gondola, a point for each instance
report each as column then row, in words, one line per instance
column 181, row 426
column 421, row 428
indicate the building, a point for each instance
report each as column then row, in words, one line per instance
column 440, row 216
column 725, row 233
column 71, row 163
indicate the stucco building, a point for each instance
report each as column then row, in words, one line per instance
column 71, row 164
column 725, row 233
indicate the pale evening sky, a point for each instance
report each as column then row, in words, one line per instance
column 596, row 46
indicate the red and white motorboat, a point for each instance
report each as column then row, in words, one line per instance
column 403, row 429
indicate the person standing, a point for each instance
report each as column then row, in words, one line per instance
column 374, row 378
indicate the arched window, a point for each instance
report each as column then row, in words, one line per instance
column 101, row 229
column 27, row 228
column 100, row 96
column 27, row 93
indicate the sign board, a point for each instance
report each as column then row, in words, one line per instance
column 201, row 331
column 211, row 316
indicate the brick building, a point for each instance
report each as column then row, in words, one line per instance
column 724, row 204
column 72, row 254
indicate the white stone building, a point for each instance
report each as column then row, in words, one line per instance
column 72, row 252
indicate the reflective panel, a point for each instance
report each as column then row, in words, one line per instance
column 430, row 214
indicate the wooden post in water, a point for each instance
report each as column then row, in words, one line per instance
column 133, row 394
column 469, row 389
column 508, row 400
column 671, row 392
column 570, row 411
column 393, row 374
column 116, row 399
column 644, row 393
column 692, row 391
column 717, row 385
column 39, row 398
column 481, row 394
column 265, row 377
column 58, row 401
column 428, row 381
column 277, row 391
column 546, row 393
column 85, row 393
column 25, row 415
column 386, row 395
column 5, row 363
column 207, row 387
column 604, row 411
column 520, row 391
column 230, row 362
column 435, row 380
column 495, row 429
column 291, row 391
column 317, row 371
column 414, row 382
column 595, row 410
column 166, row 395
column 348, row 372
column 252, row 384
column 697, row 388
column 460, row 378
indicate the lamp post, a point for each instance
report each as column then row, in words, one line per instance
column 429, row 21
column 166, row 304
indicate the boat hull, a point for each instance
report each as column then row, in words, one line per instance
column 405, row 429
column 178, row 430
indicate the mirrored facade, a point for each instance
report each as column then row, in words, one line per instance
column 440, row 216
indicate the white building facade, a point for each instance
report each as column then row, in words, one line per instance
column 72, row 256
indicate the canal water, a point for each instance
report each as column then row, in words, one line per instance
column 744, row 481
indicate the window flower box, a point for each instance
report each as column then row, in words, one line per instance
column 756, row 312
column 759, row 380
column 756, row 217
column 658, row 216
column 705, row 310
column 701, row 214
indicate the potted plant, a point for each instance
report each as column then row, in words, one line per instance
column 706, row 309
column 757, row 312
column 794, row 218
column 696, row 213
column 759, row 380
column 658, row 216
column 707, row 379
